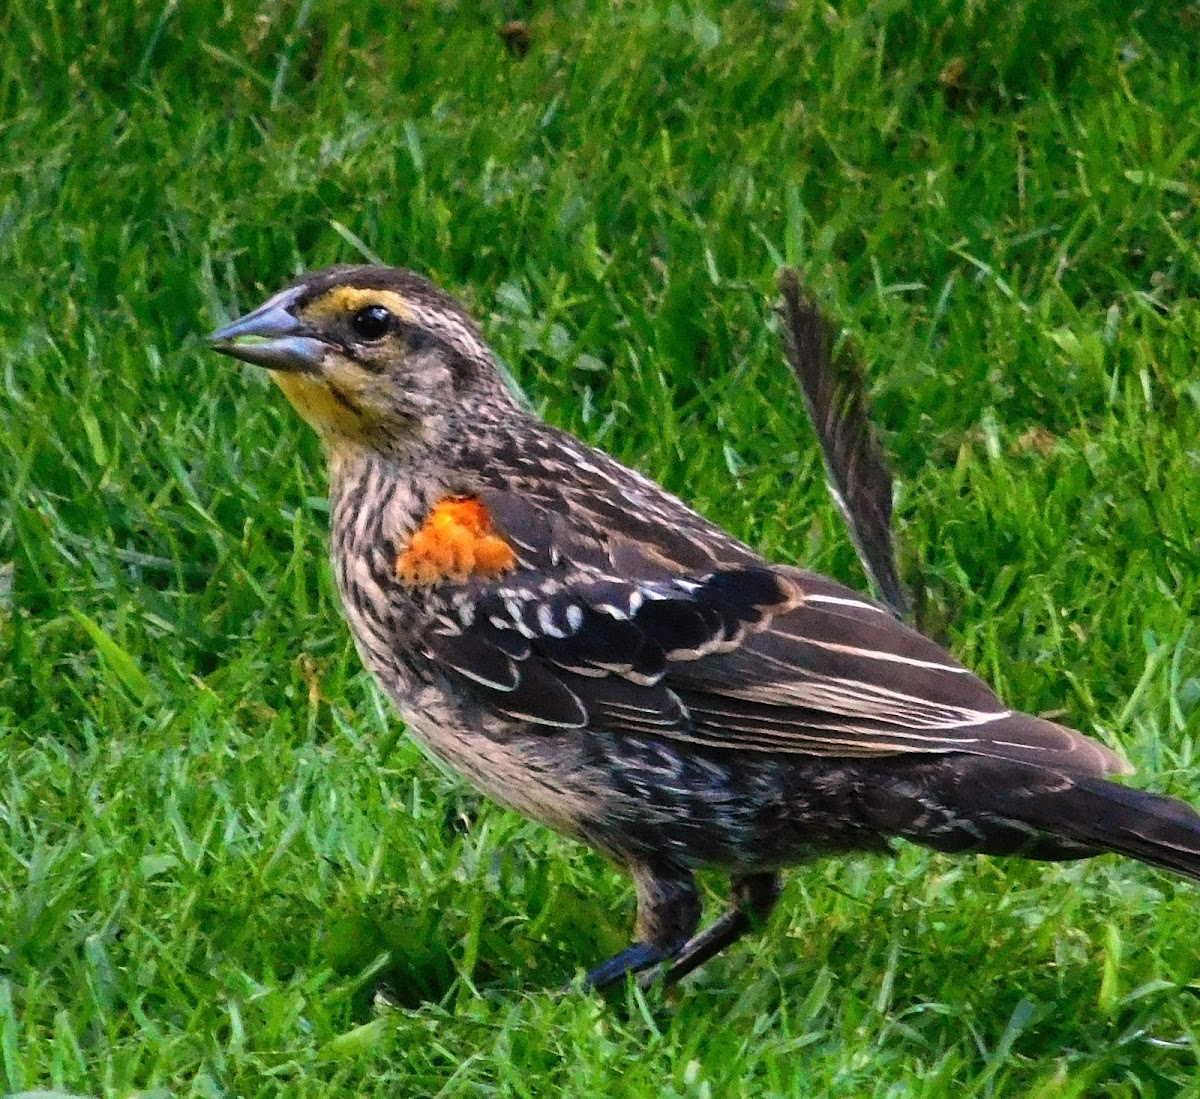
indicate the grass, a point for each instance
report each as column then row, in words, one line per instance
column 225, row 869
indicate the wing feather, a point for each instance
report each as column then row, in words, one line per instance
column 744, row 657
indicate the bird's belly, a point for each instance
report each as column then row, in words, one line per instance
column 735, row 810
column 641, row 799
column 512, row 770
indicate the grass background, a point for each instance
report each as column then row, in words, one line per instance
column 224, row 871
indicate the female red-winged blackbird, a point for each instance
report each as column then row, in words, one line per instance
column 588, row 650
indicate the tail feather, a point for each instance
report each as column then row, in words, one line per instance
column 1007, row 807
column 856, row 465
column 1153, row 828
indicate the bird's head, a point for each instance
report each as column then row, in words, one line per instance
column 370, row 356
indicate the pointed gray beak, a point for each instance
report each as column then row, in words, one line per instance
column 272, row 337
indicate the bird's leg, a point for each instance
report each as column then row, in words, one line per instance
column 668, row 913
column 754, row 895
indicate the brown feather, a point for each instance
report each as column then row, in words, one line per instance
column 856, row 466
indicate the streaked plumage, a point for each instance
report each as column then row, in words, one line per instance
column 612, row 664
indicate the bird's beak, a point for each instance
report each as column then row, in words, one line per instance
column 271, row 336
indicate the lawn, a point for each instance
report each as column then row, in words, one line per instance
column 226, row 871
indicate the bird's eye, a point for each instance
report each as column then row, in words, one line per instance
column 371, row 322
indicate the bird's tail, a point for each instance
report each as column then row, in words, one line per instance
column 1005, row 807
column 856, row 464
column 1106, row 816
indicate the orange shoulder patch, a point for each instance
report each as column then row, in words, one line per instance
column 456, row 541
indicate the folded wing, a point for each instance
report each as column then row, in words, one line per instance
column 748, row 657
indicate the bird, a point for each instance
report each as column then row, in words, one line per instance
column 588, row 650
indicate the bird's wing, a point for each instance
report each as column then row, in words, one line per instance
column 751, row 657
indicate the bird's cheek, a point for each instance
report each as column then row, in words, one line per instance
column 327, row 408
